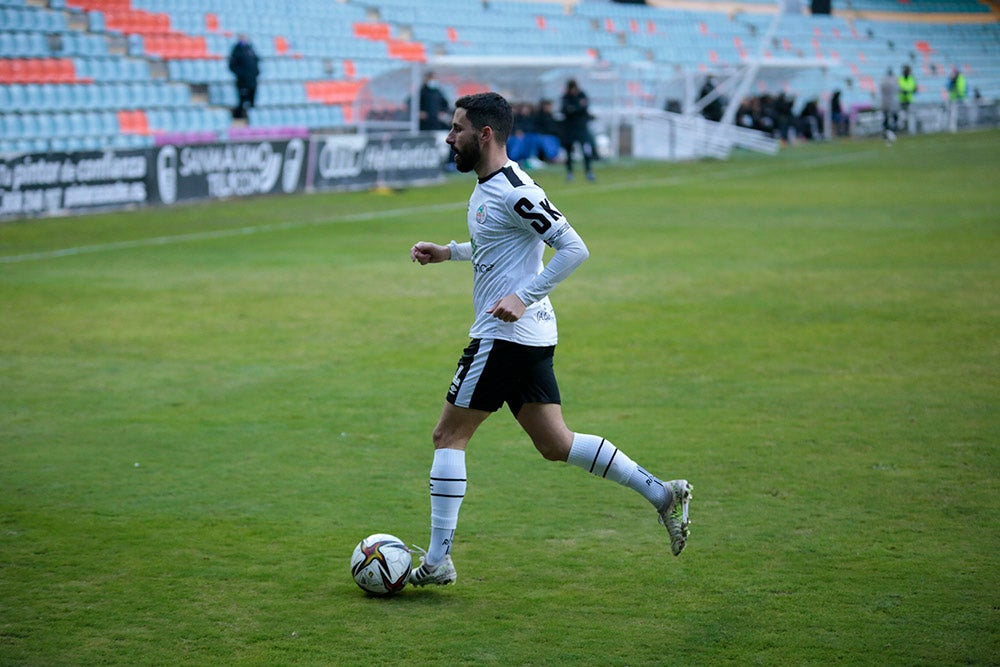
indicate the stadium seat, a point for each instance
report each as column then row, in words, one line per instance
column 12, row 125
column 77, row 123
column 133, row 122
column 60, row 125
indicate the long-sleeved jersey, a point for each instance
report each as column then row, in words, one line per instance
column 510, row 222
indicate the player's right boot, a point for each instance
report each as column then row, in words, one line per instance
column 441, row 574
column 674, row 513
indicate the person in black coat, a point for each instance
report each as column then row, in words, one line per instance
column 433, row 105
column 243, row 62
column 576, row 117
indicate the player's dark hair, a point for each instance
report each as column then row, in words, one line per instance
column 488, row 110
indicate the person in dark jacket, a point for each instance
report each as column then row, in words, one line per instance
column 433, row 105
column 243, row 62
column 576, row 117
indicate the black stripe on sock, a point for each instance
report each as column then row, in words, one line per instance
column 448, row 479
column 597, row 454
column 609, row 463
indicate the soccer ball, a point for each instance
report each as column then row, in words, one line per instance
column 381, row 564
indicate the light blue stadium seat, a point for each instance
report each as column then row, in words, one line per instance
column 70, row 44
column 60, row 125
column 29, row 125
column 32, row 97
column 136, row 45
column 71, row 96
column 112, row 96
column 182, row 120
column 176, row 70
column 107, row 123
column 135, row 70
column 95, row 45
column 68, row 144
column 11, row 18
column 102, row 69
column 34, row 45
column 95, row 21
column 137, row 96
column 90, row 96
column 17, row 96
column 12, row 125
column 91, row 123
column 82, row 68
column 45, row 125
column 49, row 99
column 77, row 123
column 180, row 95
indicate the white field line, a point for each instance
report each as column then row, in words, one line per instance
column 397, row 212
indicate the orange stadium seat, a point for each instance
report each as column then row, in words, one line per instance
column 333, row 92
column 101, row 5
column 372, row 31
column 411, row 51
column 133, row 122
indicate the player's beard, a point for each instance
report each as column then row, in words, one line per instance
column 468, row 157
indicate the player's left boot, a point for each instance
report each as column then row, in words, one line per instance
column 674, row 513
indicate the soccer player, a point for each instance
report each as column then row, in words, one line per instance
column 514, row 335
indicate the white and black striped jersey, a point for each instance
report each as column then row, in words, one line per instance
column 510, row 222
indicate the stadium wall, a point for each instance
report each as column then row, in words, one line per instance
column 49, row 184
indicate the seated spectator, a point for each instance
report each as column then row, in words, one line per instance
column 810, row 123
column 547, row 129
column 535, row 135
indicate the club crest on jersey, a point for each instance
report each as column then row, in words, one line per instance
column 481, row 214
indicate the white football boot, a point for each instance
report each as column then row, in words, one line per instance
column 441, row 574
column 674, row 513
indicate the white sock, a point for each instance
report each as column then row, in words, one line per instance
column 599, row 457
column 447, row 491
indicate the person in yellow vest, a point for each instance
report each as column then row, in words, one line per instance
column 956, row 97
column 956, row 85
column 907, row 89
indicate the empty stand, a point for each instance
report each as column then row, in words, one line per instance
column 81, row 74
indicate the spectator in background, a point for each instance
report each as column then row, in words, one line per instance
column 535, row 136
column 748, row 115
column 576, row 118
column 547, row 129
column 521, row 143
column 810, row 122
column 243, row 63
column 840, row 123
column 907, row 89
column 712, row 110
column 957, row 88
column 433, row 105
column 889, row 91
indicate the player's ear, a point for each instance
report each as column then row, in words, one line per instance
column 486, row 135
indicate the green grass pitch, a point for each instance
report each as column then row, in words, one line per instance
column 204, row 408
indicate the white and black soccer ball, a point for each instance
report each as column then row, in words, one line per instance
column 381, row 564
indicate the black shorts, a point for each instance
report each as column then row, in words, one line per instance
column 492, row 372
